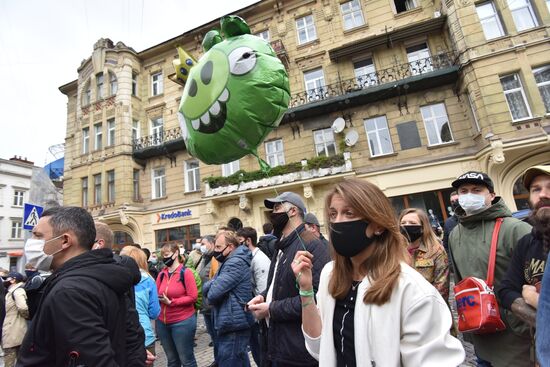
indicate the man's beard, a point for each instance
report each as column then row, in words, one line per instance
column 540, row 219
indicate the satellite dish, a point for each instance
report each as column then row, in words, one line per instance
column 351, row 138
column 338, row 125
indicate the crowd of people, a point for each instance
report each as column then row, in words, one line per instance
column 375, row 293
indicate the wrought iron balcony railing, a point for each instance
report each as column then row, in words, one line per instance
column 163, row 136
column 389, row 75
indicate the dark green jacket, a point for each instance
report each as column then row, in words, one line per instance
column 470, row 243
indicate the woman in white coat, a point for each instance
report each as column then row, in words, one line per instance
column 372, row 308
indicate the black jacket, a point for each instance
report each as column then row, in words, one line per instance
column 526, row 267
column 267, row 245
column 448, row 227
column 285, row 343
column 85, row 314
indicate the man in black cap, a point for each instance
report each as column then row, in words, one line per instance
column 312, row 225
column 469, row 246
column 280, row 305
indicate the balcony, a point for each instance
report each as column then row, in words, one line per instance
column 398, row 80
column 280, row 50
column 163, row 143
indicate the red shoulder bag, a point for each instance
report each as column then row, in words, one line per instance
column 476, row 302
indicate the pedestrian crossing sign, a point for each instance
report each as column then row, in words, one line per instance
column 31, row 215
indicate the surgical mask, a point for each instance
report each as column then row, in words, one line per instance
column 35, row 255
column 412, row 232
column 154, row 261
column 471, row 203
column 204, row 249
column 350, row 238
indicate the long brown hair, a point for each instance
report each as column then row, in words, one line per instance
column 137, row 254
column 383, row 266
column 428, row 237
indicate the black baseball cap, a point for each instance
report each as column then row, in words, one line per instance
column 474, row 177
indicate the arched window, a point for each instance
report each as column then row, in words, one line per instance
column 113, row 82
column 521, row 195
column 235, row 223
column 121, row 239
column 86, row 93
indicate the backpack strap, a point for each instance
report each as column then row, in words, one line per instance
column 182, row 277
column 493, row 253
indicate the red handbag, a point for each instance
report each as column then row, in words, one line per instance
column 476, row 302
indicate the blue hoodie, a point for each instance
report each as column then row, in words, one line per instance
column 147, row 305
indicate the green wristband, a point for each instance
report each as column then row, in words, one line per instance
column 309, row 293
column 304, row 305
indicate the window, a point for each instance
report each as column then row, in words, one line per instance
column 110, row 132
column 324, row 142
column 305, row 29
column 114, row 83
column 159, row 183
column 111, row 186
column 85, row 140
column 315, row 84
column 542, row 77
column 229, row 168
column 378, row 135
column 156, row 84
column 419, row 59
column 548, row 5
column 489, row 19
column 404, row 5
column 436, row 123
column 134, row 84
column 18, row 197
column 274, row 152
column 99, row 86
column 136, row 130
column 87, row 98
column 157, row 130
column 515, row 97
column 185, row 235
column 264, row 35
column 352, row 14
column 192, row 176
column 365, row 73
column 135, row 178
column 16, row 226
column 409, row 138
column 98, row 130
column 84, row 186
column 523, row 14
column 97, row 189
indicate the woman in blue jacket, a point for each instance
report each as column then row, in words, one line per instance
column 147, row 301
column 228, row 292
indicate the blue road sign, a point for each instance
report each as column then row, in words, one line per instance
column 31, row 215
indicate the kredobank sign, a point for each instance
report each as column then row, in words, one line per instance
column 176, row 214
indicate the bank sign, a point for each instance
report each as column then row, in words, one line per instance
column 176, row 214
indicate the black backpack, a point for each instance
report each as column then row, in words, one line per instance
column 34, row 290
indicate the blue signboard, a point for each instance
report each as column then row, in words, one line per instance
column 31, row 215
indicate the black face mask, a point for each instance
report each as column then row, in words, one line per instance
column 350, row 238
column 219, row 256
column 30, row 273
column 168, row 261
column 279, row 221
column 412, row 232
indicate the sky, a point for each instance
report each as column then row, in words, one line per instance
column 42, row 43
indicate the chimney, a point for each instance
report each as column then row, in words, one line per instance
column 21, row 160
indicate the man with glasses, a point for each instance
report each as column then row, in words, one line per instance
column 82, row 319
column 280, row 305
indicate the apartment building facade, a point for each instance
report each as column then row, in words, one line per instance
column 407, row 94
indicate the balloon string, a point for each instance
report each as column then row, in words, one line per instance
column 266, row 169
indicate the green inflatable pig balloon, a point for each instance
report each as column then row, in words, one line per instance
column 234, row 96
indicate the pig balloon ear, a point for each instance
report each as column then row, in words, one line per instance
column 233, row 25
column 211, row 38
